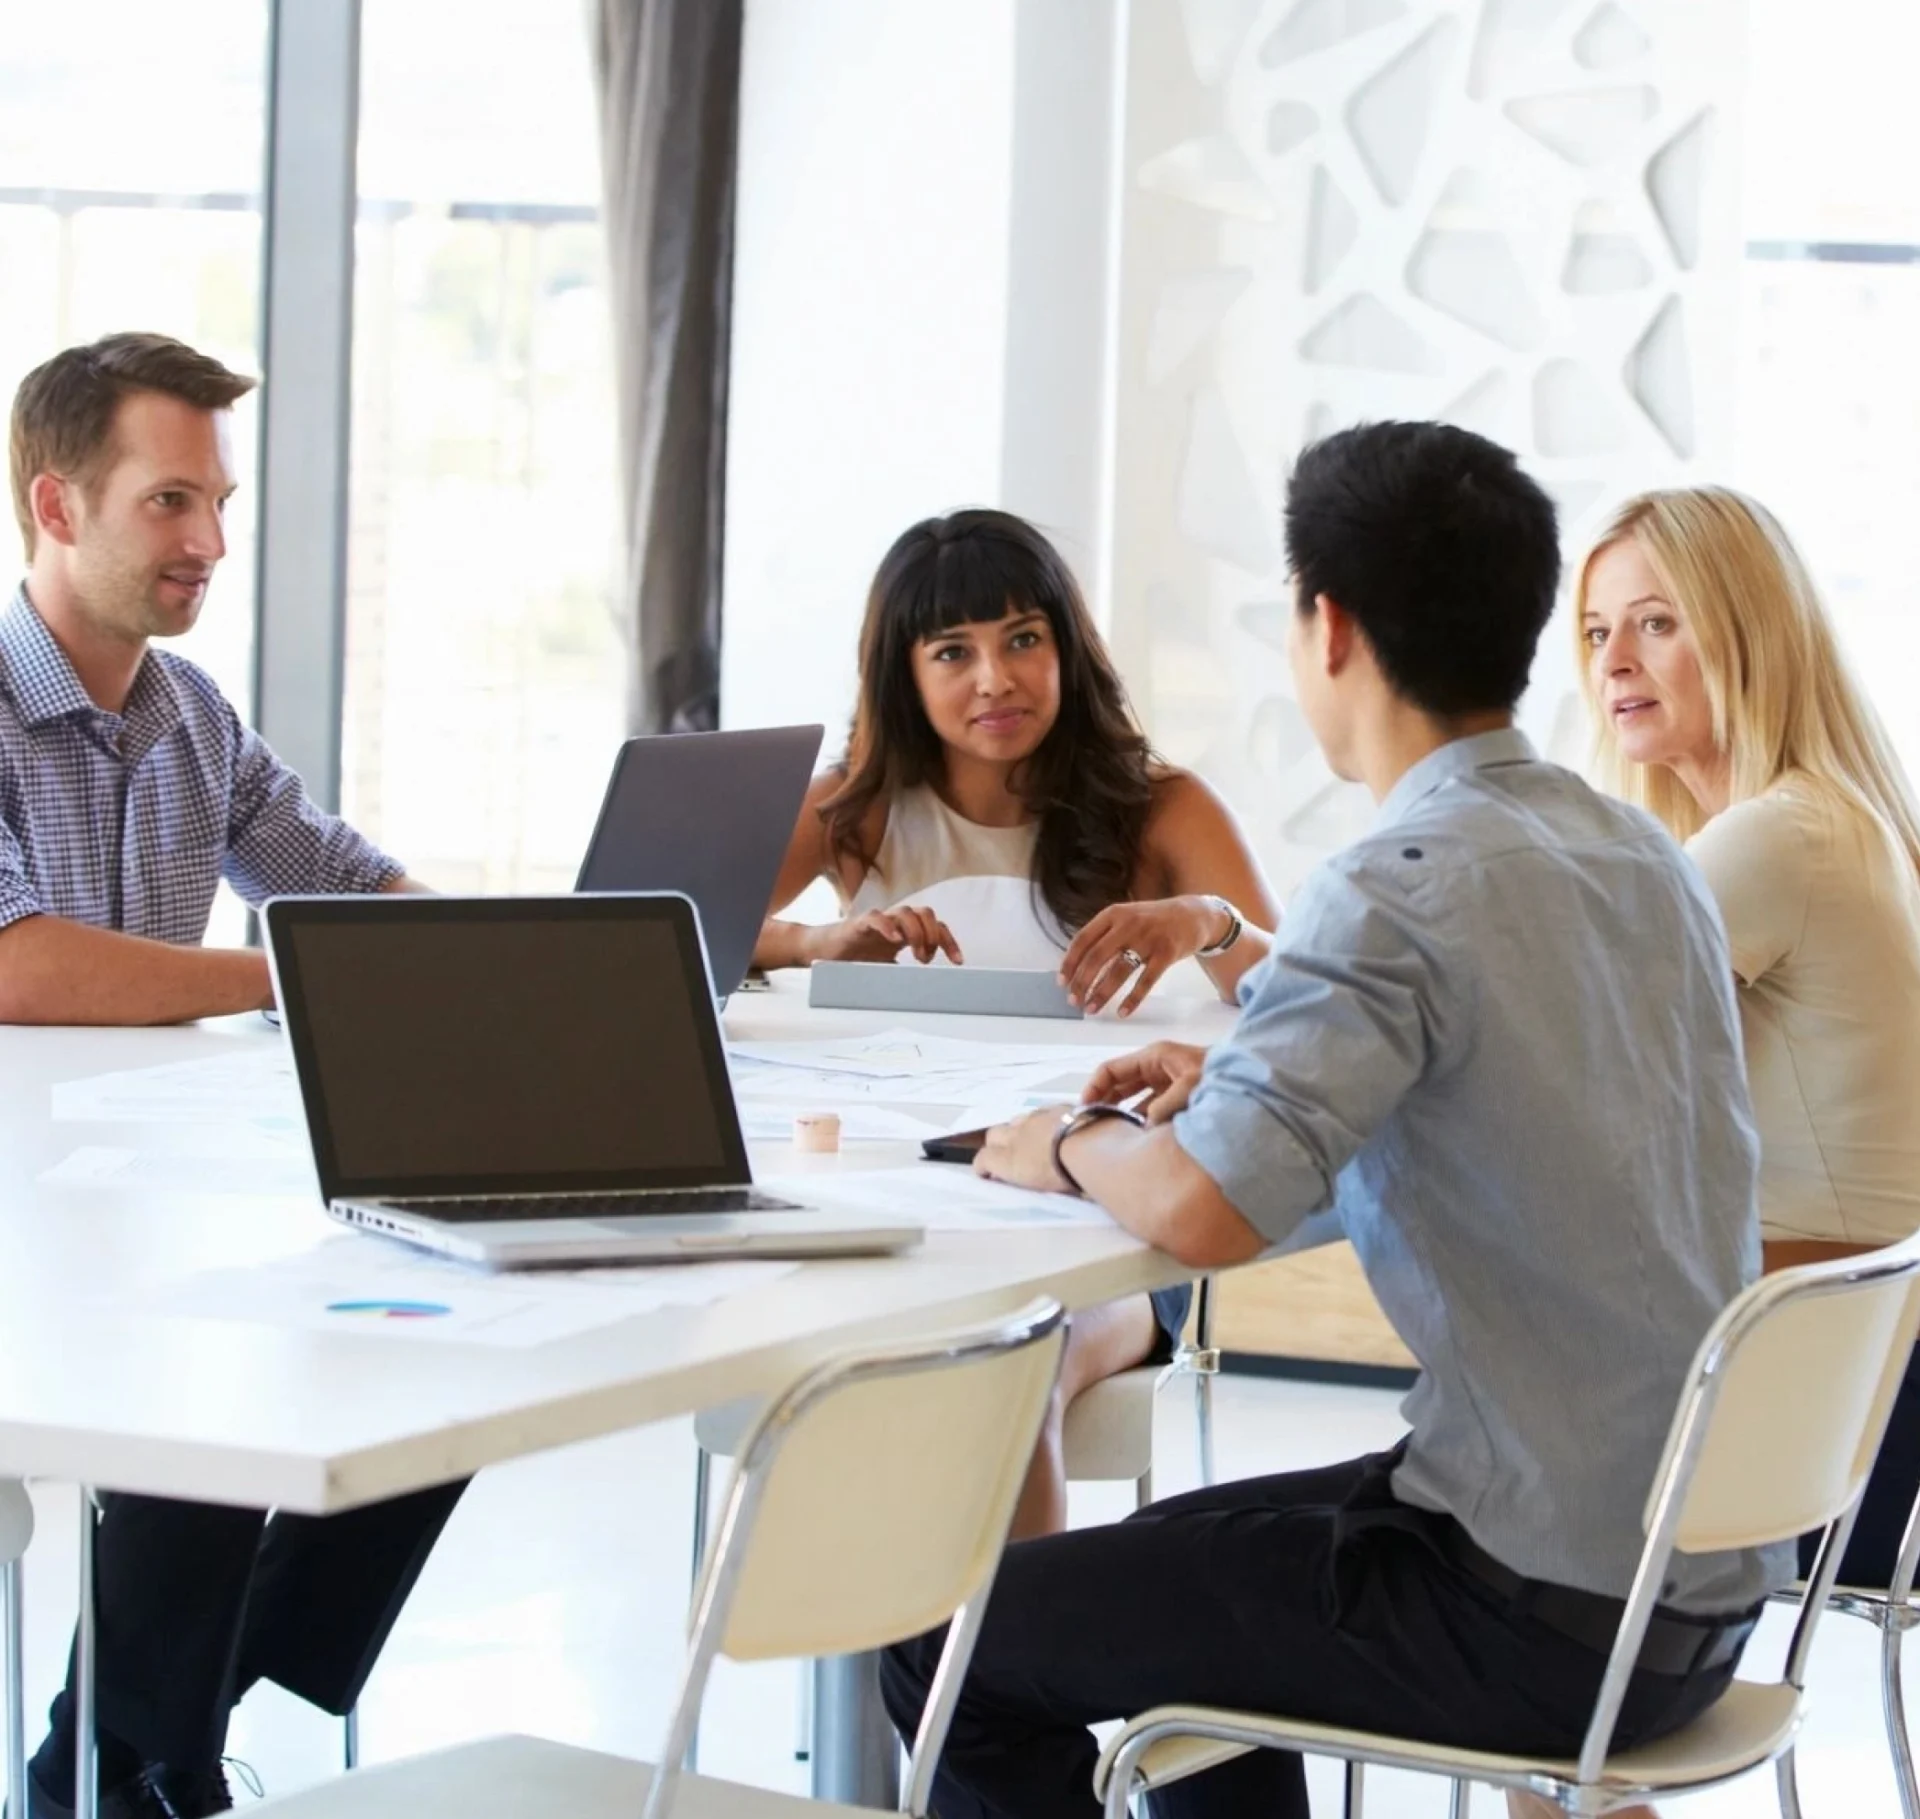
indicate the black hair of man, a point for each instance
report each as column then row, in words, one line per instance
column 1441, row 548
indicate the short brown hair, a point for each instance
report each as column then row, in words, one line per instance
column 63, row 412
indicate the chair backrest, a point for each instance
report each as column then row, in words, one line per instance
column 1798, row 1377
column 870, row 1503
column 882, row 1485
column 1776, row 1430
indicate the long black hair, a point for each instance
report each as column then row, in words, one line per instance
column 1090, row 781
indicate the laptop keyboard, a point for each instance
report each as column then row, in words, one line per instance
column 495, row 1207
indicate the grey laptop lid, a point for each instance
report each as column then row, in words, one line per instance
column 548, row 1045
column 708, row 814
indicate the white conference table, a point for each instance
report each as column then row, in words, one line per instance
column 100, row 1391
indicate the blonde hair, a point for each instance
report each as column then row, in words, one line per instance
column 1782, row 697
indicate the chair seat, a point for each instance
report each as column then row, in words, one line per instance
column 530, row 1778
column 1747, row 1726
column 1108, row 1432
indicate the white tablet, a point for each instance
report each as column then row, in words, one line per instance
column 978, row 991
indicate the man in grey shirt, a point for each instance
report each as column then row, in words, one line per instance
column 1498, row 1037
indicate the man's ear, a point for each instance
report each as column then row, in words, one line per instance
column 50, row 499
column 1339, row 634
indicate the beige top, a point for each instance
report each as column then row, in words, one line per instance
column 978, row 880
column 1823, row 914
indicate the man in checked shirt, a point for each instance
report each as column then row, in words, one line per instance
column 128, row 788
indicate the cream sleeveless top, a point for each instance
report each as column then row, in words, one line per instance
column 978, row 880
column 1823, row 916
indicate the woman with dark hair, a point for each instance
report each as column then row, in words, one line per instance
column 999, row 803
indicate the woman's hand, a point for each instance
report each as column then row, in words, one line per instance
column 1138, row 941
column 881, row 934
column 1166, row 1071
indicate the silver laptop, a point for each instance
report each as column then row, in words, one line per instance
column 531, row 1081
column 710, row 815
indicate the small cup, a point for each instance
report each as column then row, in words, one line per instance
column 817, row 1133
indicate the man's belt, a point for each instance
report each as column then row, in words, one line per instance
column 1676, row 1643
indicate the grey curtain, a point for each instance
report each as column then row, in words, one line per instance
column 668, row 74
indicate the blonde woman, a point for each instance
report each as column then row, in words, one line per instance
column 1723, row 706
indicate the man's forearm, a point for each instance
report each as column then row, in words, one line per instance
column 55, row 971
column 1158, row 1192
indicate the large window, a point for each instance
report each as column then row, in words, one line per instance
column 486, row 680
column 1828, row 423
column 131, row 150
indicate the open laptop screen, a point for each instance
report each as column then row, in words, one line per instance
column 451, row 1046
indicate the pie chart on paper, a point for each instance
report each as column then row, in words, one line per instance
column 391, row 1310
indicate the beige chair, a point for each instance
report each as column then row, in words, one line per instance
column 1892, row 1612
column 871, row 1503
column 1106, row 1437
column 16, row 1530
column 1775, row 1434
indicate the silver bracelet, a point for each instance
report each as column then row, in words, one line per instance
column 1077, row 1119
column 1234, row 926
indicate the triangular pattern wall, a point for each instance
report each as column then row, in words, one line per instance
column 1515, row 214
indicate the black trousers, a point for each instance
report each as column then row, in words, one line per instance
column 1874, row 1547
column 195, row 1602
column 1315, row 1595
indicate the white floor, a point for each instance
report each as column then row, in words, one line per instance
column 555, row 1600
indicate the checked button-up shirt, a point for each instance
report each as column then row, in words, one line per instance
column 129, row 821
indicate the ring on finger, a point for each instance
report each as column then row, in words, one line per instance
column 1132, row 959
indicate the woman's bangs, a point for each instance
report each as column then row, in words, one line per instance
column 968, row 581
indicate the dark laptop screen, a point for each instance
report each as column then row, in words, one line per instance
column 449, row 1046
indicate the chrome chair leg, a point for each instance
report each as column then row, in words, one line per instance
column 1206, row 1366
column 803, row 1737
column 350, row 1740
column 1461, row 1805
column 1788, row 1784
column 1894, row 1704
column 86, row 1764
column 702, row 1496
column 1143, row 1489
column 1203, row 1421
column 702, row 1492
column 1356, row 1790
column 12, row 1582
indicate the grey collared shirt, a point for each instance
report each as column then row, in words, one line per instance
column 1498, row 1036
column 129, row 821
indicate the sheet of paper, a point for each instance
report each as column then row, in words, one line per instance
column 820, row 1089
column 904, row 1053
column 772, row 1122
column 358, row 1286
column 942, row 1196
column 255, row 1085
column 268, row 1173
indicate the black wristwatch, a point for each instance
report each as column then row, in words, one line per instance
column 1077, row 1120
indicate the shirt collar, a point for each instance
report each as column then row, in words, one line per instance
column 45, row 687
column 1457, row 758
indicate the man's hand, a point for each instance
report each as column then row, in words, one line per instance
column 1021, row 1153
column 1166, row 1071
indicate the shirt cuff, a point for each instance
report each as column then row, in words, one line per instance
column 18, row 905
column 382, row 872
column 1268, row 1178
